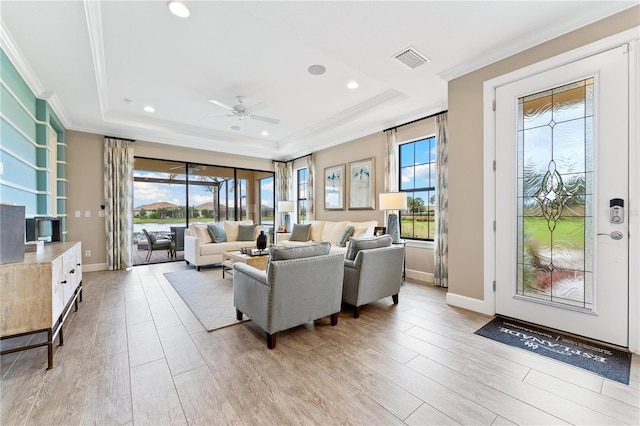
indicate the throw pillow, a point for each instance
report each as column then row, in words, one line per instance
column 246, row 232
column 300, row 232
column 357, row 244
column 231, row 228
column 359, row 231
column 217, row 233
column 202, row 232
column 344, row 237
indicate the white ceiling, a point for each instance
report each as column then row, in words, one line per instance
column 87, row 57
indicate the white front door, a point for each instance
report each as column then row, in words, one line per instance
column 562, row 195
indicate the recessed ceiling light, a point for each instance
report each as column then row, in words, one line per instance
column 149, row 108
column 316, row 69
column 353, row 85
column 235, row 128
column 178, row 8
column 264, row 133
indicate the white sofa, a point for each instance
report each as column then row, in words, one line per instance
column 324, row 230
column 199, row 248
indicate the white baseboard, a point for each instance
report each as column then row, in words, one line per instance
column 475, row 305
column 93, row 267
column 419, row 275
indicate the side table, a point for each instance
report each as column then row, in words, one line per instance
column 404, row 257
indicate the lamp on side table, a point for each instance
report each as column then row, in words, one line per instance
column 390, row 202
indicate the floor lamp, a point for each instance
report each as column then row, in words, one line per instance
column 286, row 207
column 390, row 202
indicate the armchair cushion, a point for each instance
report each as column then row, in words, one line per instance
column 357, row 244
column 299, row 252
column 300, row 232
column 217, row 233
column 246, row 232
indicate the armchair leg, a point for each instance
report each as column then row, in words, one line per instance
column 395, row 299
column 271, row 340
column 334, row 319
column 356, row 311
column 238, row 315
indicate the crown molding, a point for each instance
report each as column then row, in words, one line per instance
column 521, row 44
column 93, row 15
column 19, row 61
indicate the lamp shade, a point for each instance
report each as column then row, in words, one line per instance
column 286, row 206
column 393, row 200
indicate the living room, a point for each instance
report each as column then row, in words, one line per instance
column 468, row 288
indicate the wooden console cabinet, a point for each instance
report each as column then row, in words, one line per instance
column 37, row 295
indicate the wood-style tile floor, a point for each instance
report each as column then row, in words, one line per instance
column 135, row 354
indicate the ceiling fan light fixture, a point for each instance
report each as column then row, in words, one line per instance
column 178, row 8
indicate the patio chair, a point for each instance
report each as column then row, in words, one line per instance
column 154, row 243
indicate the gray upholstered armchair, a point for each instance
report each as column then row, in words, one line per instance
column 301, row 284
column 372, row 270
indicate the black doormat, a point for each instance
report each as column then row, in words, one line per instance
column 600, row 359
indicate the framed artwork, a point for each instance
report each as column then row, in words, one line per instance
column 379, row 231
column 334, row 187
column 362, row 182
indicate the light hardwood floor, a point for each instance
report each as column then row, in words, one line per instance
column 135, row 354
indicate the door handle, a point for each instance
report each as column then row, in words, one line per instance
column 615, row 235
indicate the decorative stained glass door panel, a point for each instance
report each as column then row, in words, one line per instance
column 562, row 154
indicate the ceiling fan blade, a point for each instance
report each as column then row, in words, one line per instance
column 265, row 119
column 221, row 105
column 257, row 107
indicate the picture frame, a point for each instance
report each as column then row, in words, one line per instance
column 334, row 183
column 379, row 231
column 362, row 184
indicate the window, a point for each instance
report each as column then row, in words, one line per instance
column 418, row 179
column 266, row 201
column 301, row 195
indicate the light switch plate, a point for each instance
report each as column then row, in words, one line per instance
column 77, row 213
column 87, row 213
column 100, row 213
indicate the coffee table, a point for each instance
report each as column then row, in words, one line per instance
column 231, row 257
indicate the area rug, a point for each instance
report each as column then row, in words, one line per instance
column 600, row 359
column 209, row 298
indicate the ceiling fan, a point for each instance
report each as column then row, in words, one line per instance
column 242, row 112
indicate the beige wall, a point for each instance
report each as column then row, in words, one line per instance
column 466, row 144
column 85, row 184
column 419, row 256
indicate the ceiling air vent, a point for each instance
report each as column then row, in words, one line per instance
column 411, row 58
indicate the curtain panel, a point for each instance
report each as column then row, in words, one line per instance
column 311, row 170
column 391, row 162
column 441, row 253
column 118, row 194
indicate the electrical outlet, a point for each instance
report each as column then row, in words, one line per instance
column 87, row 253
column 77, row 213
column 100, row 213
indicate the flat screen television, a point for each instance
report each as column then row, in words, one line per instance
column 43, row 228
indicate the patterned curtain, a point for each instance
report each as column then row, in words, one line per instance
column 284, row 177
column 311, row 170
column 441, row 253
column 118, row 194
column 391, row 162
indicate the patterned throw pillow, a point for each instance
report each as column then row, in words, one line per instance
column 344, row 237
column 246, row 232
column 300, row 232
column 217, row 233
